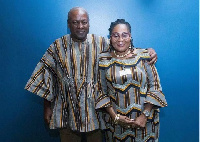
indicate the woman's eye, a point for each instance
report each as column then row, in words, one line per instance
column 115, row 35
column 125, row 35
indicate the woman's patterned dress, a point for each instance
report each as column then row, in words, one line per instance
column 127, row 85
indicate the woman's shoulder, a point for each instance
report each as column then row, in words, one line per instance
column 140, row 51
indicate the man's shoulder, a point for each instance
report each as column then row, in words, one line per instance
column 63, row 37
column 59, row 41
column 88, row 36
column 96, row 36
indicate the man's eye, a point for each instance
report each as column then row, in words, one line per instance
column 74, row 22
column 84, row 22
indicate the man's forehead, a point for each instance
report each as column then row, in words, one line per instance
column 79, row 17
column 78, row 14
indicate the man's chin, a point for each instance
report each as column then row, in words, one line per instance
column 79, row 37
column 82, row 38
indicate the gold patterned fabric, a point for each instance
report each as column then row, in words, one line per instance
column 126, row 85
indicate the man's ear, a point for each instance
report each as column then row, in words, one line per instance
column 67, row 25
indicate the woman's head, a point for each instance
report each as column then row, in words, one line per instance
column 120, row 35
column 119, row 21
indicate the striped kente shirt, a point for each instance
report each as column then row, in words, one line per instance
column 67, row 76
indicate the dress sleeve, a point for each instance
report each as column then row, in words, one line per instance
column 43, row 79
column 103, row 99
column 154, row 89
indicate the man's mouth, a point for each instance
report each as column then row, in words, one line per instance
column 80, row 32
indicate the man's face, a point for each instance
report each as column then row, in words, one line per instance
column 78, row 24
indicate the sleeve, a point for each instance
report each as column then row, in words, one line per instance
column 43, row 79
column 154, row 89
column 103, row 99
column 105, row 44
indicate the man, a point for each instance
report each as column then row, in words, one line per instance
column 66, row 77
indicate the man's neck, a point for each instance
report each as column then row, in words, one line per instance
column 78, row 40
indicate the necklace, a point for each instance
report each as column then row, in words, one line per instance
column 121, row 56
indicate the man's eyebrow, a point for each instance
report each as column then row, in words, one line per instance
column 81, row 20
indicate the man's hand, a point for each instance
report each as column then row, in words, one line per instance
column 47, row 111
column 153, row 55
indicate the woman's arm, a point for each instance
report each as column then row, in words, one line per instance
column 111, row 112
column 142, row 119
column 124, row 121
column 154, row 90
column 155, row 97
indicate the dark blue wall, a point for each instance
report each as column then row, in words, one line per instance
column 28, row 27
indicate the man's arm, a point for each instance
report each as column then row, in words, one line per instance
column 153, row 55
column 47, row 111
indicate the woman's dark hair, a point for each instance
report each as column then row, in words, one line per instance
column 120, row 21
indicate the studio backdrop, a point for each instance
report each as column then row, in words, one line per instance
column 28, row 27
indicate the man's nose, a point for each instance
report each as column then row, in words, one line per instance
column 80, row 25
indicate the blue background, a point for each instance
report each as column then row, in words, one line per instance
column 28, row 27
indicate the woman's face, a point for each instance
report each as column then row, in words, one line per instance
column 121, row 38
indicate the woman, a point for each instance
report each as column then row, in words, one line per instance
column 130, row 89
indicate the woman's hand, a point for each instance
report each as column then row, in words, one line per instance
column 124, row 121
column 140, row 122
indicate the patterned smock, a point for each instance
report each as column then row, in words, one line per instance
column 126, row 86
column 67, row 76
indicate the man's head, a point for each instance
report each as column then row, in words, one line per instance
column 78, row 23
